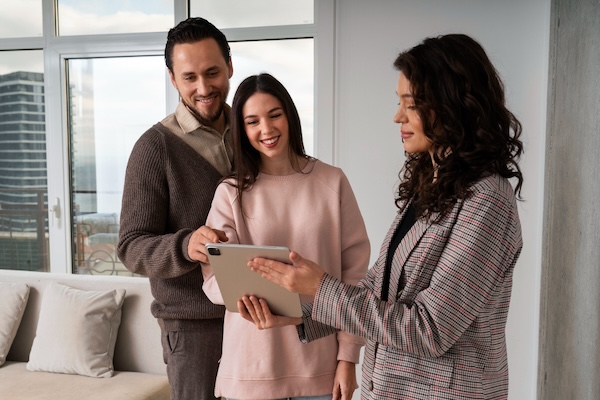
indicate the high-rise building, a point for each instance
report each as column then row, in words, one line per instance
column 23, row 176
column 23, row 172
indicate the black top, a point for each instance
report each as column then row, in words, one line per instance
column 401, row 230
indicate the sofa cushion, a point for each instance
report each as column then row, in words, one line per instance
column 13, row 299
column 76, row 332
column 19, row 384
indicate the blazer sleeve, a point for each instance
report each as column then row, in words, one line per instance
column 311, row 329
column 483, row 244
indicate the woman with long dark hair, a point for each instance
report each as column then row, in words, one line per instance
column 433, row 308
column 279, row 196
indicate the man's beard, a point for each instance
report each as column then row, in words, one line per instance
column 205, row 119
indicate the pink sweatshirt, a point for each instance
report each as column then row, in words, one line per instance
column 316, row 214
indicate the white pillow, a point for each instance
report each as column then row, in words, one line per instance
column 13, row 299
column 77, row 331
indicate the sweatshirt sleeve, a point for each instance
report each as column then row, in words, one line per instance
column 356, row 252
column 210, row 285
column 220, row 217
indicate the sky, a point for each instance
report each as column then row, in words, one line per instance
column 23, row 18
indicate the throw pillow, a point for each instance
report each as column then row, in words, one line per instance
column 77, row 331
column 13, row 299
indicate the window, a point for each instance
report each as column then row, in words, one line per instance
column 254, row 13
column 291, row 62
column 274, row 36
column 76, row 17
column 23, row 179
column 77, row 88
column 111, row 104
column 21, row 18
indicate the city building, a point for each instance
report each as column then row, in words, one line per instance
column 23, row 177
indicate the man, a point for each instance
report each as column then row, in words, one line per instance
column 173, row 171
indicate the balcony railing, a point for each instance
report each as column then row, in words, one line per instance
column 24, row 231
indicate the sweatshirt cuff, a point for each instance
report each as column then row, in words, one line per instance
column 349, row 347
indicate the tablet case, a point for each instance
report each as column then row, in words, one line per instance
column 236, row 279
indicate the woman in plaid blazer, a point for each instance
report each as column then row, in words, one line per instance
column 433, row 308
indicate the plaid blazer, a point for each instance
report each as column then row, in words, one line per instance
column 441, row 335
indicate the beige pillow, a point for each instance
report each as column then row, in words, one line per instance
column 13, row 299
column 77, row 331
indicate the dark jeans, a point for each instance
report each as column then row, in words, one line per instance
column 192, row 359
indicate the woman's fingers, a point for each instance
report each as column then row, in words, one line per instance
column 256, row 311
column 303, row 277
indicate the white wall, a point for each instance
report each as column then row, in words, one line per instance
column 515, row 33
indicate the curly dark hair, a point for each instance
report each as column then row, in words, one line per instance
column 194, row 30
column 459, row 97
column 246, row 159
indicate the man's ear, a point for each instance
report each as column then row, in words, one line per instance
column 230, row 66
column 172, row 78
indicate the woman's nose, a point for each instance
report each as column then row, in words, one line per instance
column 266, row 127
column 400, row 116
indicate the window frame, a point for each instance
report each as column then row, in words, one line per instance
column 58, row 49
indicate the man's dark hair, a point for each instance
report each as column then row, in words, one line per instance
column 193, row 30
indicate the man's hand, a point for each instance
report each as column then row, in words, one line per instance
column 198, row 240
column 304, row 277
column 258, row 312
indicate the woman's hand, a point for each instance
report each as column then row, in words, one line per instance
column 304, row 277
column 258, row 312
column 201, row 236
column 344, row 383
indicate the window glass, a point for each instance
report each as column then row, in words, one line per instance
column 23, row 174
column 253, row 13
column 108, row 103
column 291, row 62
column 76, row 17
column 21, row 18
column 112, row 102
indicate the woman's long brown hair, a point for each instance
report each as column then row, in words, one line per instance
column 460, row 99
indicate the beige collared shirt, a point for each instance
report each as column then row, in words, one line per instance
column 215, row 147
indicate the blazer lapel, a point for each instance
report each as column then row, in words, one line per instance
column 408, row 243
column 380, row 263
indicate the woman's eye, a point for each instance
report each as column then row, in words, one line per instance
column 274, row 116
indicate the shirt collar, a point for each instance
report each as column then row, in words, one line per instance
column 189, row 123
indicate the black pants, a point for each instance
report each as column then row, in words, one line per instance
column 192, row 359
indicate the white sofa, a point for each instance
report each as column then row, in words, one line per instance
column 139, row 371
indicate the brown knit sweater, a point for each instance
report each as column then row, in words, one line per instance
column 167, row 195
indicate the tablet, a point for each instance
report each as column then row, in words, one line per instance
column 230, row 265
